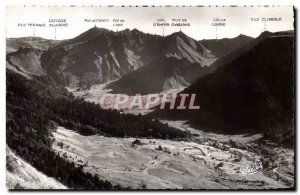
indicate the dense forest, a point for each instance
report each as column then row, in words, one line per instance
column 35, row 109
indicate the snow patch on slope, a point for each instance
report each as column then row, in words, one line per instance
column 175, row 82
column 133, row 59
column 112, row 72
column 114, row 58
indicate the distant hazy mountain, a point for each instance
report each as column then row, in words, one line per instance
column 253, row 92
column 222, row 47
column 180, row 60
column 13, row 44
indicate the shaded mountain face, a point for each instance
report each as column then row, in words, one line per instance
column 222, row 47
column 253, row 92
column 180, row 61
column 98, row 56
column 160, row 75
column 234, row 54
column 23, row 55
column 26, row 61
column 181, row 46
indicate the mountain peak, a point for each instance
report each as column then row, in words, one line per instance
column 97, row 29
column 91, row 33
column 265, row 34
column 179, row 34
column 243, row 36
column 134, row 31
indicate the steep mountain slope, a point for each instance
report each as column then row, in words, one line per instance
column 23, row 55
column 253, row 92
column 21, row 175
column 222, row 47
column 26, row 61
column 160, row 75
column 181, row 46
column 182, row 61
column 98, row 56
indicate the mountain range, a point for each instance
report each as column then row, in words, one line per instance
column 223, row 47
column 130, row 60
column 252, row 93
column 181, row 61
column 244, row 86
column 239, row 81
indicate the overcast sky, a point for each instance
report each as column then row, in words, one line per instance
column 238, row 20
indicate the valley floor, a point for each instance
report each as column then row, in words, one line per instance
column 164, row 164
